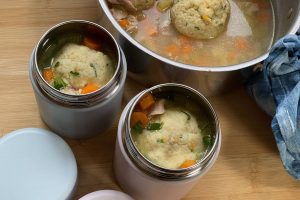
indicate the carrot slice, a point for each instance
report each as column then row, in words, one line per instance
column 152, row 30
column 187, row 49
column 139, row 117
column 124, row 23
column 241, row 43
column 187, row 163
column 186, row 46
column 90, row 87
column 90, row 43
column 146, row 102
column 48, row 74
column 172, row 50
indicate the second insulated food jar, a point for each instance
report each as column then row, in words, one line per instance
column 78, row 72
column 168, row 137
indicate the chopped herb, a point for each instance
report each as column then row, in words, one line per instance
column 94, row 68
column 74, row 73
column 208, row 141
column 138, row 127
column 160, row 141
column 196, row 27
column 56, row 64
column 187, row 114
column 59, row 83
column 154, row 126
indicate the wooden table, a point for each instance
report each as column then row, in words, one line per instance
column 248, row 167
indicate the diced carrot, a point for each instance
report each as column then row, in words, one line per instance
column 124, row 23
column 139, row 117
column 172, row 50
column 90, row 87
column 152, row 30
column 48, row 74
column 241, row 43
column 187, row 163
column 92, row 44
column 187, row 49
column 186, row 46
column 146, row 102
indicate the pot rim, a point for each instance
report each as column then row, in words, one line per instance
column 254, row 61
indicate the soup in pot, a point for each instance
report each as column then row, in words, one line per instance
column 199, row 32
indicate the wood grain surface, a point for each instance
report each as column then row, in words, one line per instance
column 248, row 168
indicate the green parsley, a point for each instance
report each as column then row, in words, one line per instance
column 160, row 141
column 187, row 114
column 74, row 73
column 94, row 68
column 59, row 83
column 154, row 126
column 138, row 127
column 56, row 64
column 208, row 141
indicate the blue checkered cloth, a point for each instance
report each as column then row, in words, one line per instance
column 276, row 89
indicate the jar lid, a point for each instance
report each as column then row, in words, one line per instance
column 106, row 195
column 36, row 164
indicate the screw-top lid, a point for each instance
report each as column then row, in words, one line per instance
column 36, row 164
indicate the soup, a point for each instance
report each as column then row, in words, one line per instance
column 76, row 64
column 248, row 33
column 171, row 131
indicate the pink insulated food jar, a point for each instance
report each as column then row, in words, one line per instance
column 144, row 178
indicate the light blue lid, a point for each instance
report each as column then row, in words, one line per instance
column 36, row 164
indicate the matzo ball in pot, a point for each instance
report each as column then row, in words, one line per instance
column 200, row 19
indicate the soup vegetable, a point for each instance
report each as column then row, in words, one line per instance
column 171, row 132
column 77, row 66
column 200, row 32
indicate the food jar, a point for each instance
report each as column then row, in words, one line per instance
column 141, row 178
column 71, row 115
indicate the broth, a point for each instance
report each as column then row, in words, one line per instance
column 172, row 131
column 248, row 35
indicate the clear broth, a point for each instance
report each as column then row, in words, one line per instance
column 249, row 34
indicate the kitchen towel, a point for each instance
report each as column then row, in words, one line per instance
column 276, row 89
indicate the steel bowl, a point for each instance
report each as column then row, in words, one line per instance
column 149, row 68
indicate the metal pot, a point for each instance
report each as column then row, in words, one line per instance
column 150, row 68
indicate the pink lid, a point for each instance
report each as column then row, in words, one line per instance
column 106, row 195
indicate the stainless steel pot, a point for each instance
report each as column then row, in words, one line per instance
column 150, row 68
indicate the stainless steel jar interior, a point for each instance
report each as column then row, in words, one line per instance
column 154, row 170
column 77, row 26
